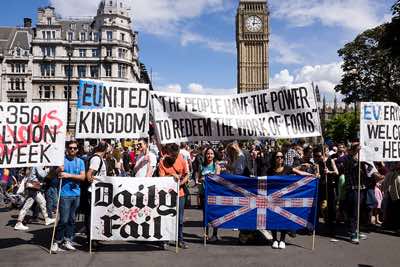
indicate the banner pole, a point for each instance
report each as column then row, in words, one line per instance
column 315, row 215
column 177, row 221
column 359, row 196
column 326, row 175
column 91, row 218
column 205, row 236
column 56, row 222
column 313, row 241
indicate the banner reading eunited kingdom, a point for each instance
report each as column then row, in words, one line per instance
column 274, row 202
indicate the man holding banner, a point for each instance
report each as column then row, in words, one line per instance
column 71, row 174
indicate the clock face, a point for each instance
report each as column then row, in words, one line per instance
column 253, row 24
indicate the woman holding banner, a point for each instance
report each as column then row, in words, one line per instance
column 210, row 166
column 279, row 169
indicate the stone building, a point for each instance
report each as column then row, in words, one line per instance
column 100, row 47
column 252, row 42
column 16, row 63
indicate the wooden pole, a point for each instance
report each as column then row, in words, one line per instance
column 91, row 219
column 313, row 241
column 359, row 197
column 57, row 212
column 177, row 221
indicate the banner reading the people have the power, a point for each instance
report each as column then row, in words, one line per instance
column 380, row 131
column 112, row 110
column 279, row 113
column 32, row 134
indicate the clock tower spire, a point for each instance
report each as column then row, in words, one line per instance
column 252, row 42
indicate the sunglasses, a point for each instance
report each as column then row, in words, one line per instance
column 72, row 148
column 279, row 157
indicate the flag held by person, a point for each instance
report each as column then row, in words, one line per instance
column 274, row 202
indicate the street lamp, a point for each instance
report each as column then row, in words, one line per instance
column 70, row 52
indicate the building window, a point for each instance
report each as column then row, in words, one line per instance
column 83, row 36
column 18, row 52
column 48, row 69
column 54, row 34
column 109, row 35
column 94, row 71
column 66, row 92
column 43, row 35
column 70, row 36
column 17, row 85
column 48, row 21
column 109, row 52
column 95, row 52
column 72, row 26
column 107, row 68
column 23, row 84
column 12, row 67
column 48, row 35
column 121, row 71
column 11, row 84
column 90, row 38
column 82, row 71
column 122, row 53
column 23, row 68
column 82, row 52
column 18, row 68
column 96, row 36
column 49, row 51
column 122, row 36
column 68, row 71
column 46, row 92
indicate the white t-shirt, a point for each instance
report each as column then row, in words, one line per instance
column 95, row 165
column 143, row 170
column 185, row 154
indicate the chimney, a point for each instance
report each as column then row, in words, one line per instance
column 27, row 22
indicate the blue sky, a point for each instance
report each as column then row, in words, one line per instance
column 189, row 45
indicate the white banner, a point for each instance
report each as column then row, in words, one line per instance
column 273, row 113
column 112, row 110
column 32, row 134
column 380, row 131
column 141, row 209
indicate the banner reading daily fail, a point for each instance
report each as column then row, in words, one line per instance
column 112, row 110
column 142, row 209
column 380, row 131
column 273, row 113
column 32, row 134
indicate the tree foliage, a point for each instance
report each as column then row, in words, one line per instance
column 342, row 127
column 372, row 64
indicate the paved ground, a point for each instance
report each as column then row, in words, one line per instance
column 31, row 249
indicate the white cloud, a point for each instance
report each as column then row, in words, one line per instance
column 171, row 88
column 286, row 53
column 196, row 88
column 215, row 45
column 356, row 15
column 325, row 76
column 152, row 16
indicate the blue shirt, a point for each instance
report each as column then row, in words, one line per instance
column 70, row 187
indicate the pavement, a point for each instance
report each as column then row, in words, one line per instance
column 31, row 249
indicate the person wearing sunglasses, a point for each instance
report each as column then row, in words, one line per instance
column 71, row 174
column 278, row 168
column 146, row 161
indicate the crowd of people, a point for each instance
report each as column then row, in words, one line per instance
column 337, row 167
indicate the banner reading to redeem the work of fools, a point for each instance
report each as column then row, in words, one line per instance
column 142, row 209
column 32, row 134
column 272, row 113
column 380, row 131
column 112, row 110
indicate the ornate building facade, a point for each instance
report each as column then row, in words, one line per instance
column 252, row 42
column 60, row 51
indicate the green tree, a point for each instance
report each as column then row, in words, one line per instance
column 370, row 71
column 391, row 38
column 342, row 127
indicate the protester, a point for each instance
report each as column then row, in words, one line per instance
column 391, row 190
column 71, row 174
column 146, row 161
column 34, row 194
column 209, row 167
column 279, row 169
column 174, row 165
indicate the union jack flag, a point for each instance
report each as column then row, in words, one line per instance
column 274, row 202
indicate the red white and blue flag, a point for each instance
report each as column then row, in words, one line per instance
column 273, row 202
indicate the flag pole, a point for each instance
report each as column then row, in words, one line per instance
column 315, row 215
column 57, row 212
column 91, row 219
column 313, row 241
column 177, row 221
column 359, row 196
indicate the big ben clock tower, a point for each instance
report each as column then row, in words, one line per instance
column 252, row 42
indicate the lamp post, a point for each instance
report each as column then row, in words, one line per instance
column 70, row 52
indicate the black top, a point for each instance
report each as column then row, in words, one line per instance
column 285, row 171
